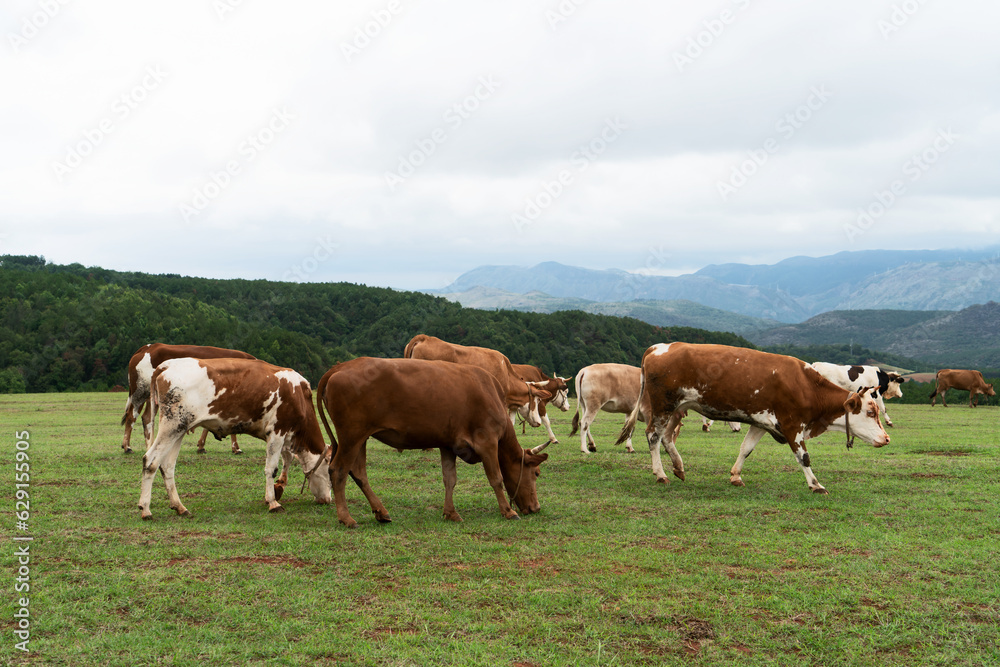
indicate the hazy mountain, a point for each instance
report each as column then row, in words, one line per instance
column 967, row 337
column 660, row 313
column 790, row 291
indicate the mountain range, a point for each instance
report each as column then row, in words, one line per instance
column 790, row 291
column 930, row 305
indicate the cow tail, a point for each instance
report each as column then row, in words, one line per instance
column 128, row 407
column 321, row 407
column 934, row 393
column 629, row 426
column 154, row 405
column 579, row 401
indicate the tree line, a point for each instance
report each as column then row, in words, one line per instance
column 74, row 328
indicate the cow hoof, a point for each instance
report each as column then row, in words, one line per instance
column 738, row 482
column 453, row 517
column 238, row 451
column 188, row 513
column 662, row 480
column 127, row 451
column 201, row 451
column 383, row 518
column 350, row 524
column 278, row 492
column 515, row 517
column 276, row 508
column 679, row 474
column 821, row 491
column 146, row 516
column 592, row 449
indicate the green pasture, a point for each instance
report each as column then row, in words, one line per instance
column 898, row 565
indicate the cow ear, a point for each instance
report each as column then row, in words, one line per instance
column 853, row 403
column 535, row 459
column 540, row 393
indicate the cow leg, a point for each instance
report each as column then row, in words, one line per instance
column 658, row 432
column 802, row 456
column 131, row 413
column 587, row 443
column 973, row 395
column 169, row 440
column 881, row 406
column 236, row 446
column 491, row 465
column 750, row 441
column 548, row 427
column 450, row 479
column 273, row 456
column 282, row 481
column 359, row 473
column 201, row 441
column 147, row 423
column 167, row 470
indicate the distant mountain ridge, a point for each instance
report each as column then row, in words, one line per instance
column 790, row 291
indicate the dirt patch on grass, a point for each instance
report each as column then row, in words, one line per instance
column 946, row 452
column 930, row 475
column 290, row 561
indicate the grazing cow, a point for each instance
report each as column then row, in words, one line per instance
column 517, row 393
column 419, row 404
column 234, row 396
column 612, row 388
column 772, row 393
column 853, row 378
column 140, row 371
column 970, row 381
column 556, row 386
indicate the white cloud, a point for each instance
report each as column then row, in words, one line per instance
column 559, row 78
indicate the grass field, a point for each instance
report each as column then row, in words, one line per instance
column 899, row 565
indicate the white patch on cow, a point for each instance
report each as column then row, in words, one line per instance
column 660, row 348
column 144, row 370
column 765, row 418
column 290, row 376
column 199, row 390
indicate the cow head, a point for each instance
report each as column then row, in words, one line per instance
column 893, row 390
column 990, row 391
column 861, row 418
column 318, row 475
column 519, row 479
column 529, row 410
column 561, row 397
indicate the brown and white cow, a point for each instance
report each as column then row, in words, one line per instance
column 772, row 393
column 234, row 396
column 556, row 386
column 140, row 372
column 963, row 380
column 518, row 394
column 612, row 388
column 420, row 404
column 853, row 378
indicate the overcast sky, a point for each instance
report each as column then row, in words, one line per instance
column 403, row 142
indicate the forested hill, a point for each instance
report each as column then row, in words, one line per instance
column 69, row 327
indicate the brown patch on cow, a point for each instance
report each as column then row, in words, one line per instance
column 854, row 372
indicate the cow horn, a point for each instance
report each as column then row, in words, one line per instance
column 539, row 448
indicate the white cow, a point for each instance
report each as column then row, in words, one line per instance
column 854, row 378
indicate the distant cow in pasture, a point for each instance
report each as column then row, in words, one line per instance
column 419, row 404
column 706, row 425
column 772, row 393
column 853, row 378
column 518, row 394
column 556, row 386
column 140, row 371
column 609, row 387
column 970, row 381
column 228, row 396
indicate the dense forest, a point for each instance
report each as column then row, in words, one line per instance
column 73, row 328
